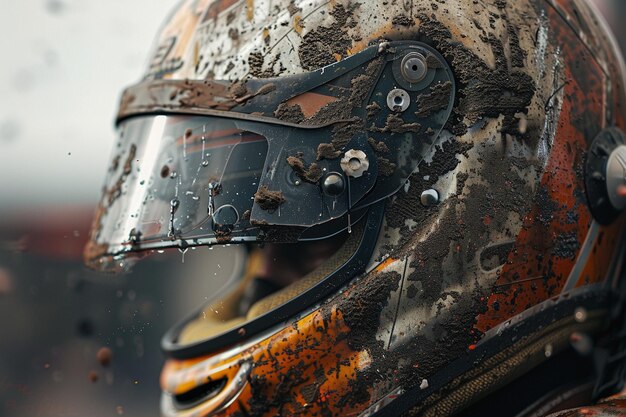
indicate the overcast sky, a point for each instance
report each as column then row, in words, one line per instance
column 65, row 63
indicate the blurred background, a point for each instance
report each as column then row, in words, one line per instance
column 65, row 63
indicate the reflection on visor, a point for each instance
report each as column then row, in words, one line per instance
column 175, row 177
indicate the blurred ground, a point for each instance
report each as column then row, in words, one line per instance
column 66, row 62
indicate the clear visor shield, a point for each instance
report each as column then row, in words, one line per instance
column 178, row 177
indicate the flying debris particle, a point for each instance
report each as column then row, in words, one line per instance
column 93, row 376
column 6, row 281
column 424, row 384
column 104, row 356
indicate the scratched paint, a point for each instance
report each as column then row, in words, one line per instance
column 536, row 83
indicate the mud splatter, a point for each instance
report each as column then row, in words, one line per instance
column 293, row 9
column 327, row 44
column 268, row 200
column 395, row 124
column 289, row 113
column 372, row 109
column 310, row 174
column 567, row 245
column 403, row 20
column 327, row 151
column 386, row 168
column 116, row 191
column 363, row 317
column 438, row 99
column 379, row 147
column 223, row 236
column 485, row 91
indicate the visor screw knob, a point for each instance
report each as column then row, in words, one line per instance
column 398, row 100
column 333, row 184
column 414, row 67
column 355, row 163
column 430, row 198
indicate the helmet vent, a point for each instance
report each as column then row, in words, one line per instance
column 199, row 394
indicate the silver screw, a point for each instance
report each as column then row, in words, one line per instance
column 398, row 100
column 355, row 163
column 414, row 67
column 429, row 198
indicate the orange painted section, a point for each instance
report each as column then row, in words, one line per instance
column 311, row 103
column 536, row 269
column 310, row 360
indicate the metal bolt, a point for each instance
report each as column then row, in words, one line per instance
column 398, row 100
column 333, row 184
column 355, row 163
column 414, row 67
column 429, row 198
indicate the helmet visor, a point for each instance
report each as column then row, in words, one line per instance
column 175, row 178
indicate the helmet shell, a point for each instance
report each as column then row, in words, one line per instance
column 507, row 256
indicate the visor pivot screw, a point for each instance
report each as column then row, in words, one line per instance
column 398, row 100
column 355, row 163
column 414, row 67
column 333, row 184
column 297, row 182
column 430, row 198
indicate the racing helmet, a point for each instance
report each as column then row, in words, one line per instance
column 447, row 177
